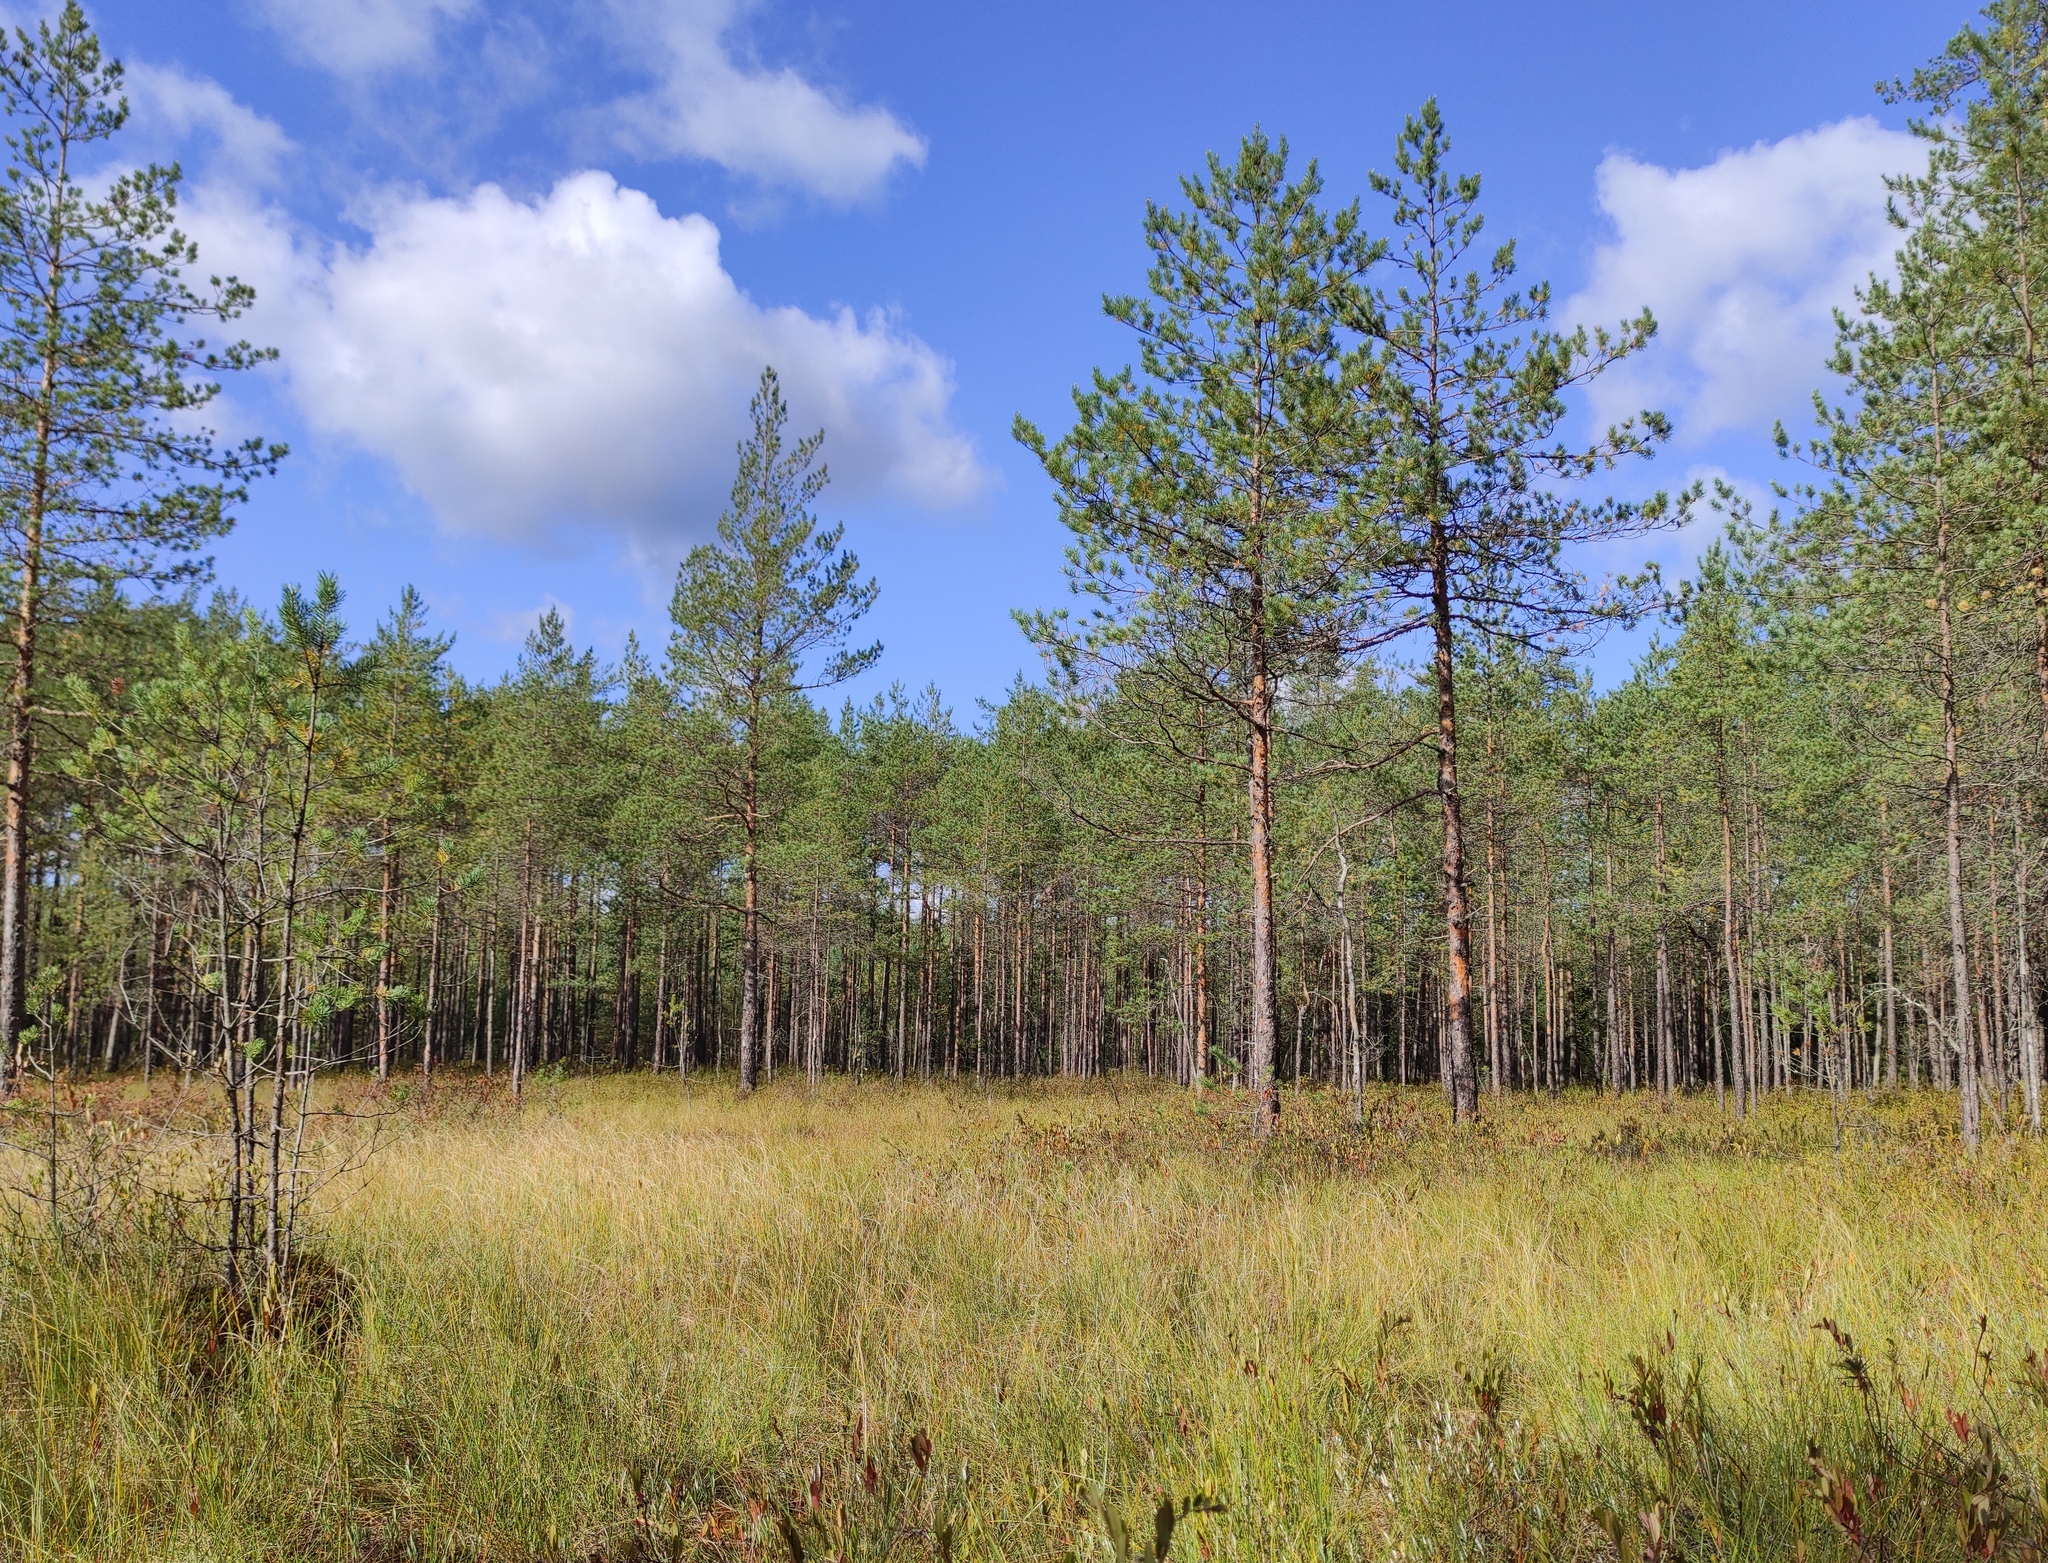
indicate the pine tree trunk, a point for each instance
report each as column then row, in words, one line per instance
column 1204, row 1059
column 1457, row 997
column 430, row 1032
column 2024, row 999
column 14, row 908
column 159, row 938
column 1496, row 1039
column 525, row 981
column 72, row 978
column 1664, row 1063
column 750, row 941
column 1736, row 1006
column 1952, row 841
column 1259, row 1062
column 1891, row 986
column 661, row 996
column 385, row 898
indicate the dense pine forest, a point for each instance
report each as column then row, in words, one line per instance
column 1319, row 791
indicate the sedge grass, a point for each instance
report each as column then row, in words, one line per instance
column 640, row 1318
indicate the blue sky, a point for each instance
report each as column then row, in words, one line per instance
column 523, row 259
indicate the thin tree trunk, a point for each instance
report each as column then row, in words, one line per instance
column 2029, row 1014
column 750, row 930
column 1736, row 1007
column 1457, row 997
column 14, row 908
column 1664, row 1062
column 1891, row 986
column 430, row 1023
column 386, row 896
column 1260, row 1049
column 1952, row 841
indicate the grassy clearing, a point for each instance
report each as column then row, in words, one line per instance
column 641, row 1320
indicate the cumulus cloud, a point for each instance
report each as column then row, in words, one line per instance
column 770, row 125
column 535, row 369
column 361, row 38
column 1743, row 263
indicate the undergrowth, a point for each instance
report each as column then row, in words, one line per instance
column 642, row 1320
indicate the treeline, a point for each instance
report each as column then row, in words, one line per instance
column 541, row 872
column 1317, row 791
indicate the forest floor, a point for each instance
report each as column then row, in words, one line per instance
column 641, row 1319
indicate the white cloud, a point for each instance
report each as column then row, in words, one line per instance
column 534, row 369
column 706, row 100
column 1743, row 263
column 361, row 38
column 175, row 108
column 768, row 125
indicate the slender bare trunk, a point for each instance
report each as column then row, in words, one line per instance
column 1952, row 838
column 276, row 1217
column 386, row 898
column 1201, row 937
column 524, row 982
column 14, row 913
column 1259, row 1063
column 1665, row 1062
column 1354, row 1038
column 1457, row 997
column 750, row 919
column 2024, row 1001
column 429, row 1026
column 1891, row 989
column 1496, row 1042
column 1736, row 1017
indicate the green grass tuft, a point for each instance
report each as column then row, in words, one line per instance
column 643, row 1320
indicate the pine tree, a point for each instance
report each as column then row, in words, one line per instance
column 1913, row 505
column 546, row 799
column 753, row 613
column 1460, row 389
column 402, row 774
column 1209, row 527
column 105, row 474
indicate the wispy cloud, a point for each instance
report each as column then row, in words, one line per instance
column 770, row 125
column 357, row 39
column 684, row 83
column 179, row 112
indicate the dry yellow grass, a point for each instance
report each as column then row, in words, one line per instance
column 1400, row 1343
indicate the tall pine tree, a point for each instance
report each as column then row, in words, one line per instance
column 761, row 615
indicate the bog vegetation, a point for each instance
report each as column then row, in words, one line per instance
column 1313, row 1074
column 637, row 1319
